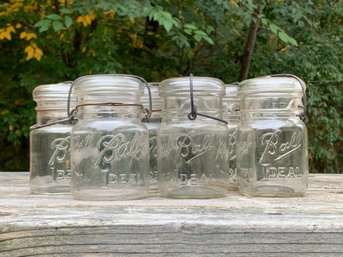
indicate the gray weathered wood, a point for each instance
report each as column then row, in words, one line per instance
column 57, row 225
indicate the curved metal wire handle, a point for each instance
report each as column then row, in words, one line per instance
column 36, row 126
column 72, row 114
column 303, row 116
column 194, row 113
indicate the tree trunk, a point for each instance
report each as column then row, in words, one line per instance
column 249, row 46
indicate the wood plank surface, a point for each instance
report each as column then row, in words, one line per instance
column 57, row 225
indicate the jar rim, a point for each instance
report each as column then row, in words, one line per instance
column 50, row 92
column 231, row 90
column 272, row 84
column 107, row 83
column 200, row 84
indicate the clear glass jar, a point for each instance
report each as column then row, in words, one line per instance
column 232, row 116
column 192, row 154
column 50, row 140
column 109, row 143
column 152, row 123
column 273, row 146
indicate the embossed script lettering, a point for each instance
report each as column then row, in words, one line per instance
column 167, row 147
column 61, row 147
column 189, row 151
column 232, row 143
column 275, row 149
column 83, row 143
column 118, row 146
column 153, row 146
column 60, row 155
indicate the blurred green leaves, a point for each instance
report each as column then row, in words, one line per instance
column 160, row 39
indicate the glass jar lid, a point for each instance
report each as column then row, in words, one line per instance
column 53, row 96
column 101, row 88
column 272, row 84
column 51, row 91
column 201, row 85
column 231, row 90
column 231, row 100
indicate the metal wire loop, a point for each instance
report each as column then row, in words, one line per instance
column 72, row 114
column 303, row 116
column 36, row 126
column 109, row 104
column 73, row 118
column 148, row 114
column 194, row 113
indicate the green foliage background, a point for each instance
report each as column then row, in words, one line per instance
column 161, row 39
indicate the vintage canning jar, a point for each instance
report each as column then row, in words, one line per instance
column 192, row 153
column 231, row 115
column 152, row 123
column 272, row 152
column 109, row 143
column 50, row 140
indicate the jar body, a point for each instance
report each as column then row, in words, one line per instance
column 231, row 115
column 233, row 128
column 152, row 127
column 192, row 154
column 50, row 140
column 192, row 159
column 273, row 146
column 109, row 143
column 273, row 159
column 50, row 159
column 152, row 100
column 109, row 159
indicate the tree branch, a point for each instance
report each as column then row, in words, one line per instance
column 249, row 46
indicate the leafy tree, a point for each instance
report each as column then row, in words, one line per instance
column 48, row 41
column 318, row 59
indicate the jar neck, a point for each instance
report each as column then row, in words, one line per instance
column 105, row 112
column 47, row 116
column 177, row 107
column 271, row 102
column 247, row 116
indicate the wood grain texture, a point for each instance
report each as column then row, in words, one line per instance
column 57, row 225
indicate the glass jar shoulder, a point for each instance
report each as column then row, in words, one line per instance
column 261, row 124
column 152, row 125
column 109, row 125
column 194, row 125
column 53, row 129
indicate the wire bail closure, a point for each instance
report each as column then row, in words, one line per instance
column 194, row 113
column 36, row 126
column 150, row 111
column 302, row 116
column 72, row 114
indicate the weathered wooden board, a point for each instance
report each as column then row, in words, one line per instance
column 47, row 225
